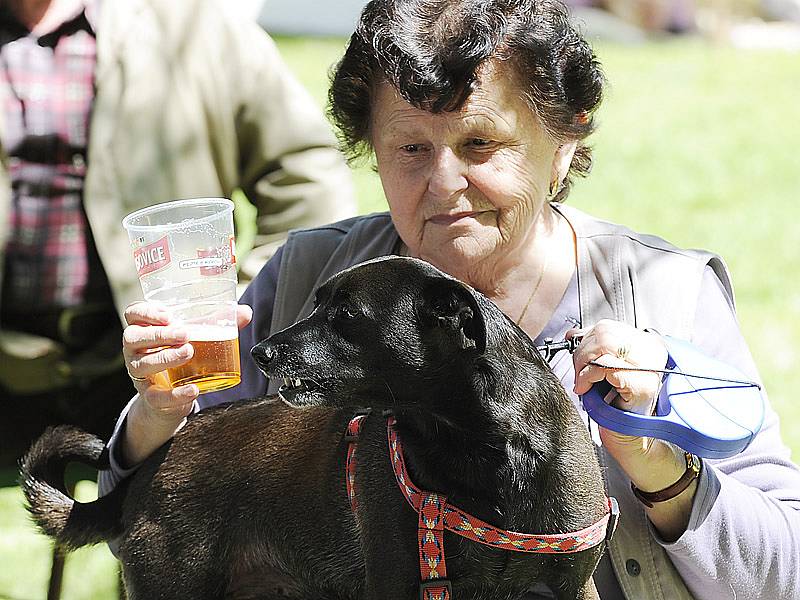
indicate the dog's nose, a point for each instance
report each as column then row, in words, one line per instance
column 263, row 354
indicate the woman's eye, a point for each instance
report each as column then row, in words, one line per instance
column 479, row 142
column 411, row 148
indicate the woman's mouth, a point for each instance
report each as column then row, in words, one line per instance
column 451, row 219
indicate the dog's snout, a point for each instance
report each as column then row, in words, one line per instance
column 263, row 353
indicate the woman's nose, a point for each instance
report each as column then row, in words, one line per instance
column 448, row 174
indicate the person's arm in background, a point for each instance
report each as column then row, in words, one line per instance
column 743, row 535
column 290, row 167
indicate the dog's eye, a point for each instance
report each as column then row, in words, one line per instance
column 346, row 311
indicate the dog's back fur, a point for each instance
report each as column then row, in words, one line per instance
column 254, row 491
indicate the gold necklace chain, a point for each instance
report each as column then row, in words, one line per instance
column 535, row 287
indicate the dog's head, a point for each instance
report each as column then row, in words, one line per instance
column 385, row 333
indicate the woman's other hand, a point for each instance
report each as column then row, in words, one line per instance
column 650, row 463
column 150, row 346
column 605, row 352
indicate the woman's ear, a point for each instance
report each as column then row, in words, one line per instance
column 562, row 161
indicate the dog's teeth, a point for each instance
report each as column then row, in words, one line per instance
column 292, row 383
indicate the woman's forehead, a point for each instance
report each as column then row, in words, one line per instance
column 496, row 103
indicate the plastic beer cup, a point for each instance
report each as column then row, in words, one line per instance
column 185, row 257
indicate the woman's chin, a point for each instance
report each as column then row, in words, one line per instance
column 459, row 257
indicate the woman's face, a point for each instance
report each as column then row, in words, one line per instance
column 467, row 188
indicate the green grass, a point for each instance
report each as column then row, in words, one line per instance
column 696, row 144
column 25, row 556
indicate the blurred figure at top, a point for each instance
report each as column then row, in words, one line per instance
column 651, row 16
column 781, row 10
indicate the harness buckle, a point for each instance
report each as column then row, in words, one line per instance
column 436, row 589
column 613, row 518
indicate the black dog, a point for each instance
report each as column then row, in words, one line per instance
column 249, row 500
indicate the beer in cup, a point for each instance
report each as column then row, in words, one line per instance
column 185, row 257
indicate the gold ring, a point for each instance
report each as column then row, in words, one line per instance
column 139, row 379
column 623, row 351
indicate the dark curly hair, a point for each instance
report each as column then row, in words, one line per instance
column 431, row 52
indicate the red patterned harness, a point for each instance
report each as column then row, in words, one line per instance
column 436, row 515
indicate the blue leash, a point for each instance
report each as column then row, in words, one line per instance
column 712, row 422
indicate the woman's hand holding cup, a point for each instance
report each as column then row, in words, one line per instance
column 150, row 345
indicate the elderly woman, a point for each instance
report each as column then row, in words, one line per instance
column 476, row 112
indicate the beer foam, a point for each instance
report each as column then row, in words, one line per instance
column 211, row 333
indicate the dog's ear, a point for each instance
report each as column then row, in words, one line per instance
column 454, row 306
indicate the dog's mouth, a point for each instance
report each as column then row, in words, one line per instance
column 299, row 391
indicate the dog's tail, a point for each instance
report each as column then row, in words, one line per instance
column 71, row 523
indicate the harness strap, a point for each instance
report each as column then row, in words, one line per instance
column 430, row 537
column 351, row 436
column 471, row 527
column 436, row 515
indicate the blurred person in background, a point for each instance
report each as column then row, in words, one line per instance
column 781, row 10
column 106, row 107
column 651, row 16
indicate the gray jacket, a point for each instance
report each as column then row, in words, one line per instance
column 743, row 534
column 727, row 551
